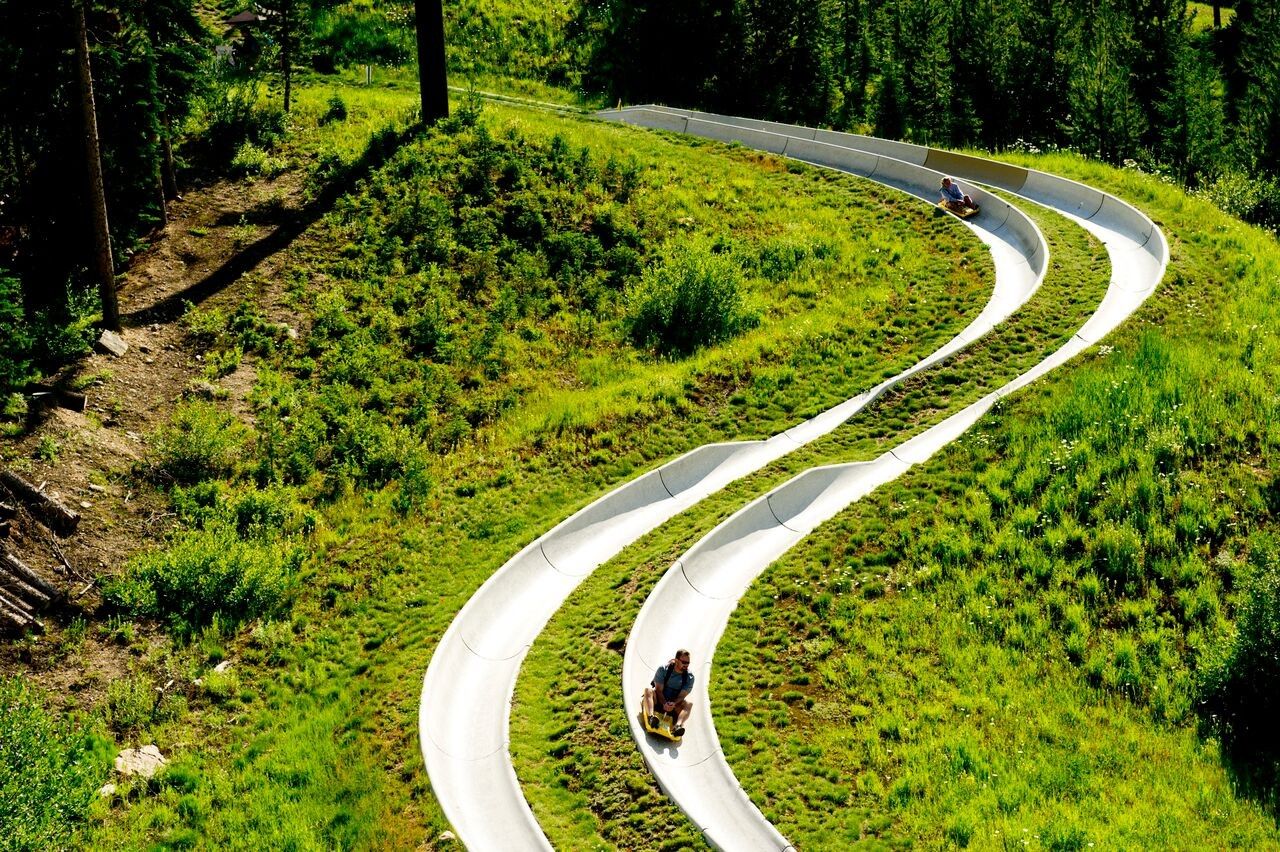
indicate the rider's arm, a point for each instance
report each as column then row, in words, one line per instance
column 658, row 677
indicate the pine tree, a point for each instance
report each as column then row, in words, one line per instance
column 789, row 55
column 927, row 45
column 1191, row 118
column 1255, row 91
column 178, row 43
column 890, row 119
column 854, row 69
column 1105, row 119
column 285, row 22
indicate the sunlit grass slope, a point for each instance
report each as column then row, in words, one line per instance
column 573, row 753
column 464, row 377
column 1008, row 645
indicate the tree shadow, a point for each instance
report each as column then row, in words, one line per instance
column 1252, row 763
column 380, row 148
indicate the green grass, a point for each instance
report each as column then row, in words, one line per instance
column 1202, row 16
column 519, row 39
column 1005, row 596
column 410, row 480
column 574, row 756
column 1005, row 645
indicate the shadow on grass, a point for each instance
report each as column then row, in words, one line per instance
column 1241, row 687
column 1253, row 765
column 380, row 148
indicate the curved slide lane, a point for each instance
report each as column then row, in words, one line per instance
column 692, row 603
column 466, row 696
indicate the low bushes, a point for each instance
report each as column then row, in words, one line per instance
column 202, row 441
column 691, row 298
column 233, row 560
column 230, row 117
column 31, row 343
column 206, row 573
column 1241, row 686
column 50, row 772
column 1251, row 199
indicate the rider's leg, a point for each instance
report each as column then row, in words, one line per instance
column 681, row 716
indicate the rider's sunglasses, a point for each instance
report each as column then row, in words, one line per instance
column 685, row 662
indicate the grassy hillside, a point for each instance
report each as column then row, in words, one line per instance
column 1012, row 643
column 574, row 755
column 516, row 45
column 1034, row 639
column 477, row 354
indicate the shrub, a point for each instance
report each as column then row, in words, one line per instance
column 15, row 337
column 64, row 334
column 205, row 574
column 129, row 704
column 335, row 110
column 415, row 484
column 691, row 298
column 1250, row 199
column 50, row 771
column 249, row 159
column 232, row 116
column 1241, row 683
column 202, row 441
column 204, row 325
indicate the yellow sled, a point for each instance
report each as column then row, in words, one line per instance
column 664, row 727
column 963, row 212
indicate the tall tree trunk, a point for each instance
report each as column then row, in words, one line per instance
column 286, row 67
column 166, row 161
column 161, row 197
column 1217, row 14
column 433, row 78
column 288, row 36
column 104, row 267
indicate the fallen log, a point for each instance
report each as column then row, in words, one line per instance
column 15, row 585
column 17, row 604
column 51, row 511
column 7, row 512
column 50, row 395
column 16, row 620
column 18, row 568
column 12, row 620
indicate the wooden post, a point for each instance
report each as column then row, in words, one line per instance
column 433, row 75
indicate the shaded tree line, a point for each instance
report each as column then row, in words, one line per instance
column 89, row 112
column 1115, row 79
column 108, row 107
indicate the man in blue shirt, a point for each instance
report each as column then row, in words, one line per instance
column 954, row 198
column 667, row 692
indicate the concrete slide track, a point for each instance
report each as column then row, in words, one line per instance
column 692, row 603
column 466, row 696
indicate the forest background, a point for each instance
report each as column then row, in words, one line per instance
column 1181, row 89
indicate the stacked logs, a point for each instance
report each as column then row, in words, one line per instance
column 23, row 592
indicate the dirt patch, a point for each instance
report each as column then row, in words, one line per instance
column 95, row 460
